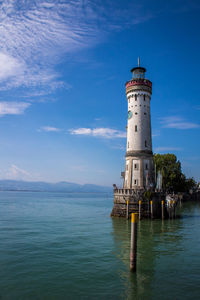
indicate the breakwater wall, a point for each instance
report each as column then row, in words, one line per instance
column 149, row 203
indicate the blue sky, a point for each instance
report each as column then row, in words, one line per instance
column 64, row 65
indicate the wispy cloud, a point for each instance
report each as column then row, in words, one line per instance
column 165, row 149
column 13, row 108
column 31, row 33
column 177, row 122
column 108, row 133
column 155, row 133
column 15, row 172
column 16, row 72
column 34, row 36
column 49, row 129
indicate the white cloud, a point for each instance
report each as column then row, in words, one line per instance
column 9, row 66
column 81, row 131
column 99, row 132
column 34, row 35
column 177, row 123
column 164, row 149
column 15, row 172
column 49, row 129
column 156, row 133
column 13, row 108
column 16, row 72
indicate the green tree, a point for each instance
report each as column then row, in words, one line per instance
column 173, row 178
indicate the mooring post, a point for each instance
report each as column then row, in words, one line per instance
column 174, row 209
column 170, row 209
column 162, row 209
column 133, row 248
column 140, row 204
column 127, row 203
column 151, row 205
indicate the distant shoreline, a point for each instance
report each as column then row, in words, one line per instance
column 66, row 192
column 61, row 187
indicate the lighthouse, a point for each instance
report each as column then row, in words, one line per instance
column 139, row 157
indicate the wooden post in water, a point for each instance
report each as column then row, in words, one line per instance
column 170, row 209
column 127, row 203
column 162, row 209
column 151, row 206
column 174, row 209
column 140, row 212
column 133, row 247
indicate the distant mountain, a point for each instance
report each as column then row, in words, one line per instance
column 40, row 186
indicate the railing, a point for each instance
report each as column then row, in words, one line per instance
column 127, row 191
column 139, row 82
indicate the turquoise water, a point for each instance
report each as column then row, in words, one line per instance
column 66, row 246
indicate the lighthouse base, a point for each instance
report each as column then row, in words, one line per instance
column 128, row 199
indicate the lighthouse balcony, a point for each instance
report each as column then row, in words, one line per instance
column 127, row 192
column 140, row 81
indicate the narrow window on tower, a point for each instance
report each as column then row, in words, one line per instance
column 136, row 166
column 135, row 97
column 146, row 166
column 144, row 97
column 135, row 128
column 135, row 181
column 145, row 143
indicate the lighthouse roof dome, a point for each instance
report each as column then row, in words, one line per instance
column 140, row 69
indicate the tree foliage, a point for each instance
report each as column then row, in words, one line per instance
column 173, row 178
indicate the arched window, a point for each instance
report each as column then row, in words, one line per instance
column 135, row 97
column 144, row 97
column 135, row 128
column 145, row 143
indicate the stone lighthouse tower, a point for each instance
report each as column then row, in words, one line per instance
column 139, row 158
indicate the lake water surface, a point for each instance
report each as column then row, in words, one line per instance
column 66, row 246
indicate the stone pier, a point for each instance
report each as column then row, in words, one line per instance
column 121, row 196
